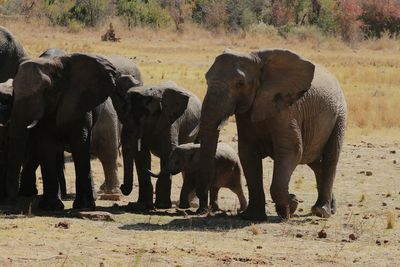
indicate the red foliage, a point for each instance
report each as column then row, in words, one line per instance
column 379, row 16
column 348, row 12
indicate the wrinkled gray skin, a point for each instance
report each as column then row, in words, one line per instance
column 104, row 145
column 155, row 120
column 286, row 108
column 56, row 94
column 227, row 173
column 11, row 54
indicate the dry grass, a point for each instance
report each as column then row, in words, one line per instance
column 371, row 81
column 369, row 74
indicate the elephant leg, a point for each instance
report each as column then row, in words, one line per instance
column 326, row 202
column 27, row 187
column 110, row 168
column 187, row 188
column 60, row 174
column 285, row 203
column 80, row 148
column 242, row 199
column 252, row 168
column 214, row 198
column 163, row 188
column 51, row 187
column 143, row 163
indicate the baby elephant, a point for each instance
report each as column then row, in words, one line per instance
column 186, row 159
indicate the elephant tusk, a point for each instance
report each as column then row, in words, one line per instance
column 139, row 144
column 33, row 124
column 3, row 125
column 195, row 131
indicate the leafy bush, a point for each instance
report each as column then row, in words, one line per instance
column 142, row 13
column 379, row 16
column 58, row 12
column 64, row 12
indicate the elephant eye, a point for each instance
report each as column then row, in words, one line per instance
column 240, row 84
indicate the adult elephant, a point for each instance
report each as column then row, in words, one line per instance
column 104, row 139
column 155, row 120
column 11, row 54
column 286, row 108
column 52, row 97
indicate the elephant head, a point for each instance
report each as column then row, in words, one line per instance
column 57, row 90
column 11, row 55
column 261, row 84
column 148, row 110
column 183, row 157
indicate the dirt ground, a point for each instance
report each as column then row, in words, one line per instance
column 365, row 231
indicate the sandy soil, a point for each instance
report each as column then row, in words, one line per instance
column 365, row 231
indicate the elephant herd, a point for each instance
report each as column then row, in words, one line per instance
column 285, row 106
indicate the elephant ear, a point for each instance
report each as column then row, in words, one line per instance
column 285, row 77
column 173, row 104
column 90, row 80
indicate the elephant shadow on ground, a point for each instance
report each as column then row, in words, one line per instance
column 216, row 223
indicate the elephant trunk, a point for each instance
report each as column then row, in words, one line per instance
column 214, row 114
column 128, row 157
column 17, row 140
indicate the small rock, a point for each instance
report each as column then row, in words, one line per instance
column 384, row 204
column 383, row 157
column 235, row 138
column 345, row 240
column 394, row 161
column 96, row 215
column 378, row 242
column 110, row 197
column 322, row 234
column 64, row 225
column 352, row 237
column 349, row 205
column 361, row 172
column 392, row 151
column 259, row 247
column 368, row 173
column 298, row 235
column 385, row 241
column 358, row 156
column 301, row 210
column 397, row 208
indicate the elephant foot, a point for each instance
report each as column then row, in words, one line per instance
column 51, row 204
column 114, row 190
column 28, row 191
column 254, row 214
column 333, row 205
column 163, row 204
column 215, row 208
column 287, row 211
column 139, row 207
column 84, row 203
column 323, row 210
column 202, row 210
column 184, row 205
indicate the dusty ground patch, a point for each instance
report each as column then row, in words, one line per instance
column 169, row 238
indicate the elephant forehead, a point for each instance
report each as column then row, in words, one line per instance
column 150, row 90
